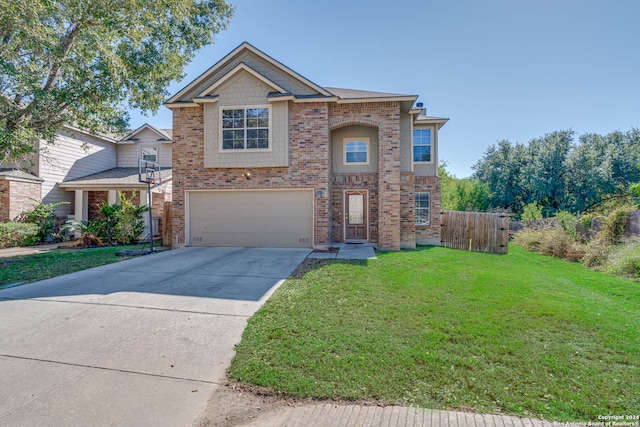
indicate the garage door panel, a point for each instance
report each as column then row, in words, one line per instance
column 251, row 218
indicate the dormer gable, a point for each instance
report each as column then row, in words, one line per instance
column 163, row 136
column 247, row 58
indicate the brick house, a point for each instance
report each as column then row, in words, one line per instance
column 85, row 169
column 262, row 156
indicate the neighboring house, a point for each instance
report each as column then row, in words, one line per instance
column 264, row 157
column 84, row 170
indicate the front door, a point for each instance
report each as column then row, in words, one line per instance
column 355, row 215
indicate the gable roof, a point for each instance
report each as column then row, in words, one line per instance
column 163, row 135
column 18, row 175
column 244, row 47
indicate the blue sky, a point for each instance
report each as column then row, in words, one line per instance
column 499, row 69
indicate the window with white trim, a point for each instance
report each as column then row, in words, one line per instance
column 356, row 151
column 245, row 129
column 150, row 154
column 423, row 208
column 421, row 145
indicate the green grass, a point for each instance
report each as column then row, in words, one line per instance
column 29, row 268
column 520, row 334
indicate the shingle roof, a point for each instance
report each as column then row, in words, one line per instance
column 361, row 94
column 18, row 174
column 114, row 177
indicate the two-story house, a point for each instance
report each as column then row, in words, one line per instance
column 263, row 156
column 84, row 170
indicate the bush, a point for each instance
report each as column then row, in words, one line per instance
column 624, row 260
column 18, row 234
column 531, row 212
column 550, row 240
column 118, row 223
column 615, row 225
column 596, row 252
column 44, row 216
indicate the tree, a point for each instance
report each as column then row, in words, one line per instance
column 555, row 174
column 82, row 62
column 462, row 194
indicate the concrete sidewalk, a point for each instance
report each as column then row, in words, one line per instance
column 29, row 250
column 333, row 414
column 347, row 251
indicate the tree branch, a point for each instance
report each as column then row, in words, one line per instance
column 67, row 42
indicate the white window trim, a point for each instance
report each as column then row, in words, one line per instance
column 152, row 148
column 345, row 141
column 245, row 150
column 428, row 223
column 431, row 145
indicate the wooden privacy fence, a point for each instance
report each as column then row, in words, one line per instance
column 475, row 231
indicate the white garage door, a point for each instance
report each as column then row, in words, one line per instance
column 281, row 219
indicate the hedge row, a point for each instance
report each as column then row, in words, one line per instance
column 18, row 234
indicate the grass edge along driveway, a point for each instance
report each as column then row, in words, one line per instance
column 519, row 334
column 54, row 263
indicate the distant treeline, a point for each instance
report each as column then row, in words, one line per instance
column 554, row 172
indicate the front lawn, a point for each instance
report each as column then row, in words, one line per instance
column 29, row 268
column 519, row 334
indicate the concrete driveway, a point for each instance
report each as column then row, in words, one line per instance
column 139, row 342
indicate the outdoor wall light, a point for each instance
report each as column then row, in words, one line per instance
column 247, row 175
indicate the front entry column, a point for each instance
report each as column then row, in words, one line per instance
column 112, row 197
column 81, row 211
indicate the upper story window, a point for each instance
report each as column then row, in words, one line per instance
column 422, row 145
column 150, row 154
column 245, row 128
column 356, row 151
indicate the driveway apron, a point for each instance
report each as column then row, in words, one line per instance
column 139, row 342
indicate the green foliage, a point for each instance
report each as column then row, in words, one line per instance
column 552, row 241
column 531, row 212
column 18, row 234
column 44, row 216
column 572, row 239
column 615, row 225
column 624, row 260
column 130, row 223
column 118, row 223
column 462, row 194
column 81, row 62
column 568, row 223
column 559, row 174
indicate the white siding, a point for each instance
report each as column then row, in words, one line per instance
column 72, row 156
column 128, row 154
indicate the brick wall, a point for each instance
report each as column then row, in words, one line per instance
column 18, row 197
column 407, row 211
column 5, row 204
column 94, row 201
column 308, row 164
column 429, row 234
column 386, row 117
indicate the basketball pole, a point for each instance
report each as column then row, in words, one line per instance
column 150, row 216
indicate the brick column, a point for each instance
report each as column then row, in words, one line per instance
column 389, row 181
